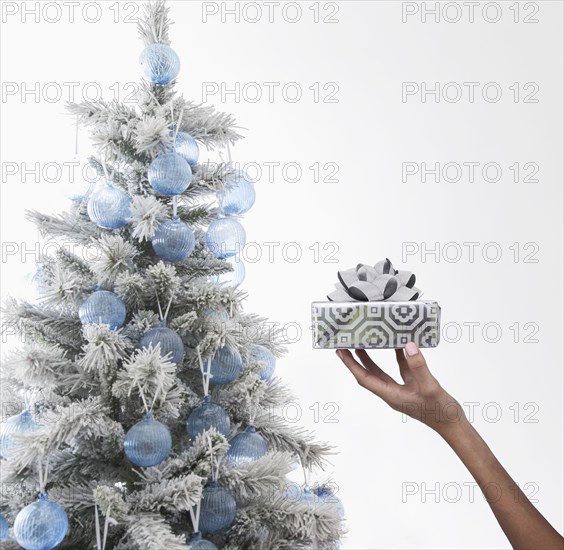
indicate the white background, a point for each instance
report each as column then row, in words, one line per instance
column 368, row 213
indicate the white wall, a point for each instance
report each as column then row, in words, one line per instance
column 369, row 213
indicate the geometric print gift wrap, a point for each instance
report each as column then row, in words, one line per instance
column 375, row 324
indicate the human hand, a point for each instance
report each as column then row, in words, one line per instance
column 421, row 396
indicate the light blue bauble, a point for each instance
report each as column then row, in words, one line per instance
column 325, row 494
column 20, row 423
column 4, row 528
column 109, row 207
column 218, row 508
column 148, row 442
column 160, row 64
column 220, row 314
column 205, row 416
column 231, row 278
column 225, row 237
column 42, row 525
column 247, row 446
column 239, row 197
column 174, row 241
column 226, row 366
column 260, row 353
column 198, row 543
column 103, row 307
column 308, row 496
column 168, row 339
column 169, row 174
column 186, row 146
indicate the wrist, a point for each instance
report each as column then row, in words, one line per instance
column 455, row 431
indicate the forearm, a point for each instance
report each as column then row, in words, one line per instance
column 523, row 524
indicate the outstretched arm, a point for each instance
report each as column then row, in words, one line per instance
column 422, row 397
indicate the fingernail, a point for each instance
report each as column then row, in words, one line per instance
column 411, row 349
column 340, row 354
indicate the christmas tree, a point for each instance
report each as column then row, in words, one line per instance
column 141, row 410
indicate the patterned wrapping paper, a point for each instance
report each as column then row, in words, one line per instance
column 375, row 324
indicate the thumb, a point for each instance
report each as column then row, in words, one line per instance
column 418, row 366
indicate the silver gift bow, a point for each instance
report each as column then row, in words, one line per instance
column 381, row 283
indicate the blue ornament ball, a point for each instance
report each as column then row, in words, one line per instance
column 103, row 307
column 239, row 197
column 308, row 496
column 160, row 64
column 219, row 314
column 325, row 494
column 169, row 174
column 4, row 528
column 247, row 446
column 186, row 146
column 226, row 366
column 42, row 525
column 260, row 353
column 231, row 278
column 205, row 416
column 174, row 241
column 225, row 237
column 20, row 423
column 168, row 339
column 109, row 207
column 198, row 543
column 148, row 442
column 218, row 508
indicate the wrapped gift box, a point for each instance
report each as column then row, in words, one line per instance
column 375, row 307
column 375, row 324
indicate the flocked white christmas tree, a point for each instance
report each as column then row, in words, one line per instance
column 140, row 411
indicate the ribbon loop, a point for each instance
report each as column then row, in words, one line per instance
column 378, row 283
column 406, row 278
column 385, row 267
column 367, row 273
column 365, row 292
